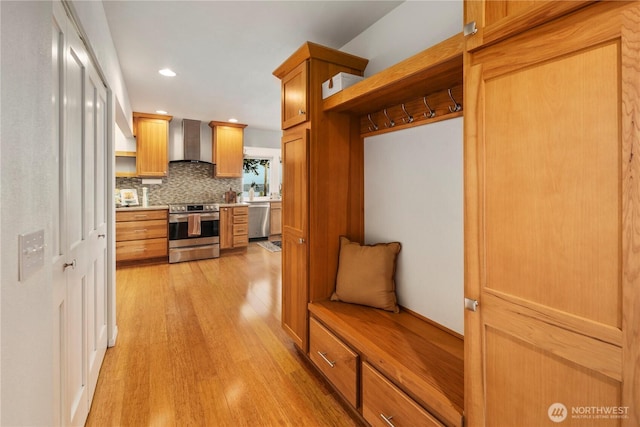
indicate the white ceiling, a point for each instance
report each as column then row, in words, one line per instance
column 224, row 51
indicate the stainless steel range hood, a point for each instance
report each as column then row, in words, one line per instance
column 191, row 141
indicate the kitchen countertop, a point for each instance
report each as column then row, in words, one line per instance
column 140, row 208
column 232, row 205
column 265, row 200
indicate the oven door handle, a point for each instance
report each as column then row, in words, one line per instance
column 185, row 217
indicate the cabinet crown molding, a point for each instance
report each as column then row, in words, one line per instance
column 313, row 50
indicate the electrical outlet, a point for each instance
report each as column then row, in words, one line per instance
column 31, row 255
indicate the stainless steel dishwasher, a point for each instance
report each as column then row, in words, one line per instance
column 259, row 220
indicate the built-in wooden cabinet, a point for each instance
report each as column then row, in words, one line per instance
column 275, row 219
column 234, row 227
column 125, row 164
column 152, row 139
column 228, row 149
column 490, row 21
column 317, row 207
column 294, row 96
column 392, row 368
column 141, row 235
column 335, row 359
column 384, row 403
column 552, row 204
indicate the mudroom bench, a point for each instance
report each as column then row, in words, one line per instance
column 393, row 368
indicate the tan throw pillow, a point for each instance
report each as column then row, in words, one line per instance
column 366, row 274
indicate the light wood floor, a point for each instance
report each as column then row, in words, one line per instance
column 200, row 344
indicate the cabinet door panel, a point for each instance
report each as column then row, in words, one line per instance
column 550, row 201
column 152, row 152
column 295, row 281
column 294, row 97
column 228, row 151
column 499, row 19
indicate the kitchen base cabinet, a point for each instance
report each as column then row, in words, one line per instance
column 234, row 227
column 275, row 221
column 142, row 235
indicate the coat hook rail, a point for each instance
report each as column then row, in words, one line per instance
column 373, row 125
column 391, row 122
column 429, row 114
column 409, row 118
column 456, row 106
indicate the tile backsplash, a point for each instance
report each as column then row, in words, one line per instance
column 185, row 183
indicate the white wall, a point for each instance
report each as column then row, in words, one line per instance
column 406, row 30
column 262, row 138
column 93, row 22
column 26, row 174
column 413, row 177
column 423, row 211
column 27, row 165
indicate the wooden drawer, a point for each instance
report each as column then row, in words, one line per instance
column 141, row 215
column 381, row 398
column 241, row 219
column 137, row 230
column 239, row 229
column 241, row 210
column 337, row 361
column 141, row 249
column 239, row 241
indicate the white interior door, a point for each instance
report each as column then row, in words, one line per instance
column 79, row 263
column 96, row 225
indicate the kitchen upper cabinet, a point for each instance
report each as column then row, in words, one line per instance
column 152, row 138
column 552, row 205
column 496, row 20
column 322, row 182
column 228, row 146
column 294, row 97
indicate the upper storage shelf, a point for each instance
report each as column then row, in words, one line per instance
column 432, row 70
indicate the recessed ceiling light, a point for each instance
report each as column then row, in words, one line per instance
column 161, row 112
column 167, row 72
column 232, row 120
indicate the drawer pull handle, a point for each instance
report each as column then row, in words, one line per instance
column 144, row 230
column 329, row 362
column 140, row 216
column 387, row 420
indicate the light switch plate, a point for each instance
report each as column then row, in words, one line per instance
column 31, row 254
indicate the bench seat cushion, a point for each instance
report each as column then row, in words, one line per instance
column 366, row 274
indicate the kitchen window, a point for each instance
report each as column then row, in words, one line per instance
column 262, row 167
column 256, row 175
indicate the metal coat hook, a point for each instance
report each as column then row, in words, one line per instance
column 373, row 125
column 391, row 122
column 456, row 107
column 409, row 118
column 429, row 114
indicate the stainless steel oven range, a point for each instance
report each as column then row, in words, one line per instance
column 194, row 231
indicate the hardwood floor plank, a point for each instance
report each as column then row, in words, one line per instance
column 200, row 343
